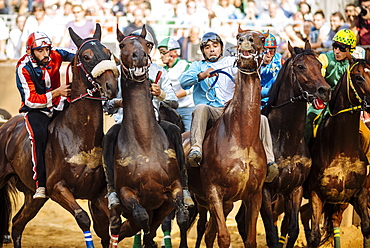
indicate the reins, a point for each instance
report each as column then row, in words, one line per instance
column 305, row 96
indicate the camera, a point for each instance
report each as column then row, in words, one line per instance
column 364, row 11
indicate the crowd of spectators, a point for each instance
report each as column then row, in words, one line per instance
column 184, row 20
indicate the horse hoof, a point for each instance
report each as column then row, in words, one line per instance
column 194, row 158
column 188, row 201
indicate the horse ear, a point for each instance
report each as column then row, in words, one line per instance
column 143, row 32
column 307, row 45
column 367, row 54
column 266, row 34
column 75, row 38
column 240, row 30
column 97, row 34
column 291, row 49
column 120, row 35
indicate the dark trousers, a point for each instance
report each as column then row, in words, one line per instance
column 109, row 143
column 37, row 125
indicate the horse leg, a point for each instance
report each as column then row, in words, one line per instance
column 139, row 214
column 268, row 220
column 64, row 197
column 216, row 209
column 166, row 229
column 201, row 224
column 99, row 213
column 239, row 218
column 317, row 206
column 182, row 216
column 337, row 219
column 295, row 202
column 253, row 206
column 306, row 213
column 27, row 212
column 360, row 204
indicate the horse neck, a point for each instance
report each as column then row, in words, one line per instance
column 344, row 124
column 139, row 119
column 244, row 109
column 290, row 118
column 84, row 116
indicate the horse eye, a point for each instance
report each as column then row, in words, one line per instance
column 301, row 67
column 359, row 78
column 121, row 46
column 85, row 57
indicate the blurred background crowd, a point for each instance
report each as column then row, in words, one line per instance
column 185, row 20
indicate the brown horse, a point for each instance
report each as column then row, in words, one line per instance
column 299, row 81
column 234, row 163
column 338, row 172
column 147, row 177
column 73, row 154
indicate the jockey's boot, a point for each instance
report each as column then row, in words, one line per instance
column 113, row 201
column 272, row 172
column 194, row 158
column 40, row 193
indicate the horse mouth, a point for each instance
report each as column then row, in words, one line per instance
column 247, row 54
column 139, row 71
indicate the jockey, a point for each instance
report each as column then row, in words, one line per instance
column 210, row 99
column 272, row 63
column 38, row 82
column 334, row 64
column 162, row 90
column 169, row 50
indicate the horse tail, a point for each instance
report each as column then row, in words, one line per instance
column 328, row 228
column 7, row 196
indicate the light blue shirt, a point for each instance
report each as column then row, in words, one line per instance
column 219, row 93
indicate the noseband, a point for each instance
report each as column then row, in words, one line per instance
column 98, row 69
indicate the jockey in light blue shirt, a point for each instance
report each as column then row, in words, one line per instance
column 272, row 63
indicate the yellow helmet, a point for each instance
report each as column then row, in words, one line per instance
column 346, row 37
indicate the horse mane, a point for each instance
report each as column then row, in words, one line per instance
column 281, row 78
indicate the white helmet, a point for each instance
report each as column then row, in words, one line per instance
column 148, row 36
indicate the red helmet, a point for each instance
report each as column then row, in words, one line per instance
column 37, row 40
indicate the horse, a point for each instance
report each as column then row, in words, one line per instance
column 144, row 156
column 73, row 154
column 234, row 162
column 339, row 165
column 299, row 81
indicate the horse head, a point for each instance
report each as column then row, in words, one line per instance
column 97, row 64
column 250, row 49
column 358, row 84
column 135, row 50
column 306, row 74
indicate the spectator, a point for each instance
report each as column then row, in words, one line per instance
column 305, row 9
column 251, row 13
column 4, row 35
column 320, row 31
column 4, row 10
column 119, row 7
column 363, row 23
column 190, row 49
column 274, row 16
column 295, row 39
column 289, row 7
column 337, row 23
column 139, row 21
column 195, row 15
column 169, row 49
column 83, row 27
column 38, row 21
column 350, row 13
column 14, row 45
column 307, row 31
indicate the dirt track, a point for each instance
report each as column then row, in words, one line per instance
column 55, row 227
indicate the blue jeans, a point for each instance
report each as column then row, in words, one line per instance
column 186, row 116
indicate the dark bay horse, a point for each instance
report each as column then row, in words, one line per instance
column 73, row 154
column 299, row 81
column 147, row 177
column 338, row 173
column 234, row 163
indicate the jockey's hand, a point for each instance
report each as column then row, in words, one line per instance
column 155, row 89
column 62, row 90
column 206, row 74
column 318, row 103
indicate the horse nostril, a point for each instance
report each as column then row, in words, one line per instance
column 325, row 92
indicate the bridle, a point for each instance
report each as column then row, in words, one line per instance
column 304, row 96
column 129, row 73
column 91, row 76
